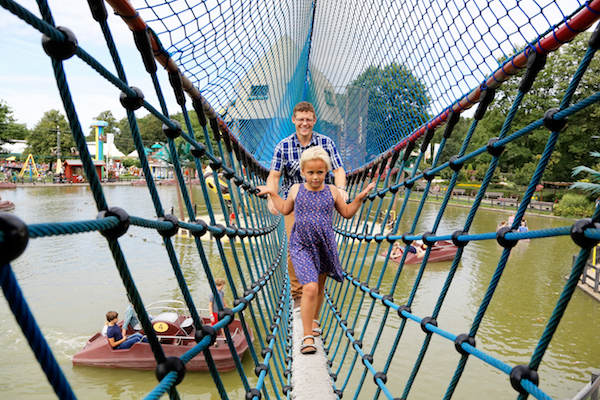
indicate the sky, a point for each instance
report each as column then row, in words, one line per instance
column 27, row 81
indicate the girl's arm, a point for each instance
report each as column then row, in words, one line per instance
column 283, row 206
column 348, row 210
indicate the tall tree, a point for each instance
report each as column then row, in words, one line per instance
column 106, row 116
column 42, row 139
column 548, row 89
column 9, row 129
column 150, row 129
column 398, row 104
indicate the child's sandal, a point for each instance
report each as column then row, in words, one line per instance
column 317, row 331
column 308, row 348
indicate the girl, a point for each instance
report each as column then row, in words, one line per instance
column 312, row 247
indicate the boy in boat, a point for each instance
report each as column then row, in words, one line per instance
column 117, row 337
column 212, row 307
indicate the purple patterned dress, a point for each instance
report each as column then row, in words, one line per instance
column 312, row 242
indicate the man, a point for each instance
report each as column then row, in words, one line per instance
column 286, row 162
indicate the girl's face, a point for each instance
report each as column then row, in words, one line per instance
column 314, row 171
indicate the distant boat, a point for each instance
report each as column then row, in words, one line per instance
column 175, row 332
column 6, row 205
column 210, row 182
column 443, row 250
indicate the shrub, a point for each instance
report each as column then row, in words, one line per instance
column 574, row 205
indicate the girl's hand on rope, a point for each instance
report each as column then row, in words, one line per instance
column 264, row 189
column 366, row 191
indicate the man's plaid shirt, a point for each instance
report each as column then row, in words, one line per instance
column 286, row 159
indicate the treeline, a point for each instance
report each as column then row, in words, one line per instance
column 576, row 142
column 42, row 138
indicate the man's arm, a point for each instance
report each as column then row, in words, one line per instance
column 339, row 177
column 273, row 186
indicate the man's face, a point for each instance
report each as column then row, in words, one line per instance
column 304, row 122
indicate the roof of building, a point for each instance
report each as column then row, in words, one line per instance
column 77, row 163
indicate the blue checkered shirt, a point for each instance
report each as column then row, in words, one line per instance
column 286, row 159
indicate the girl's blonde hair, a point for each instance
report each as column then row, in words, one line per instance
column 315, row 153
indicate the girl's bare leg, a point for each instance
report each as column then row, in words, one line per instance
column 320, row 298
column 308, row 306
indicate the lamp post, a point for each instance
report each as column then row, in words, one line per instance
column 58, row 162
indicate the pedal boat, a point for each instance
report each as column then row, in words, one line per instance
column 443, row 250
column 175, row 332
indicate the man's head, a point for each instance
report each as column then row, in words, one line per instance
column 304, row 118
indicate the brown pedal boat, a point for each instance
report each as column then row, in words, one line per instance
column 175, row 332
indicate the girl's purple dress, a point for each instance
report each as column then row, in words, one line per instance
column 312, row 242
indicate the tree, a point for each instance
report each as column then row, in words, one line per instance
column 9, row 129
column 106, row 116
column 398, row 103
column 548, row 89
column 42, row 139
column 150, row 129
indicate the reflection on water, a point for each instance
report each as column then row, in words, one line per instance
column 70, row 282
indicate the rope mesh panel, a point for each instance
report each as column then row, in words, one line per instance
column 252, row 63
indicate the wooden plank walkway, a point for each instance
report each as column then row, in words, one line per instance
column 310, row 377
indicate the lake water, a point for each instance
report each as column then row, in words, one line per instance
column 71, row 281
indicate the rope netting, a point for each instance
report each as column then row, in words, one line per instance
column 244, row 66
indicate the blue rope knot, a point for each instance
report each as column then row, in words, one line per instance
column 493, row 149
column 174, row 227
column 456, row 241
column 460, row 339
column 502, row 240
column 430, row 321
column 132, row 102
column 198, row 151
column 405, row 308
column 206, row 330
column 171, row 364
column 454, row 164
column 381, row 376
column 367, row 358
column 522, row 372
column 554, row 125
column 224, row 313
column 578, row 233
column 428, row 175
column 260, row 368
column 174, row 131
column 426, row 240
column 242, row 300
column 218, row 231
column 122, row 226
column 286, row 389
column 16, row 237
column 253, row 393
column 63, row 49
column 202, row 228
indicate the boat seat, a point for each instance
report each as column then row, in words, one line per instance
column 187, row 325
column 166, row 316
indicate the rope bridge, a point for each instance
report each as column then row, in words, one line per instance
column 252, row 63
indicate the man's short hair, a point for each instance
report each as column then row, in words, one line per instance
column 304, row 106
column 111, row 315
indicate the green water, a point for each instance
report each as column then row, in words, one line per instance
column 71, row 281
